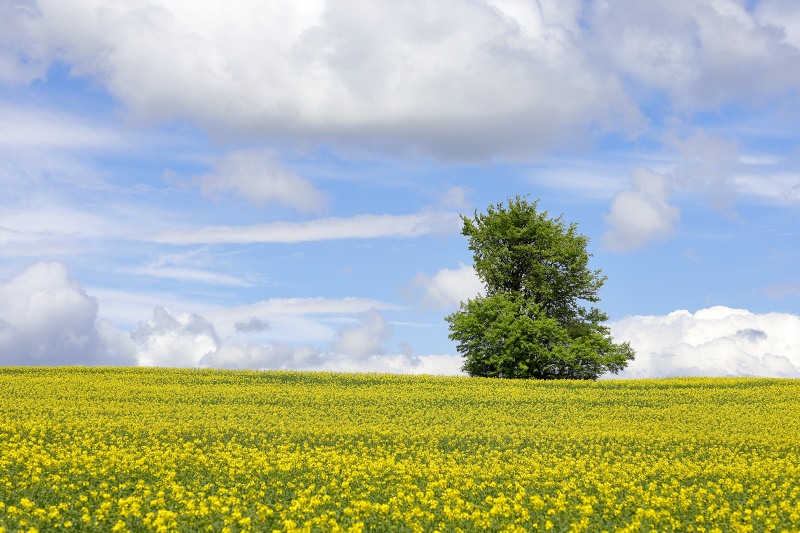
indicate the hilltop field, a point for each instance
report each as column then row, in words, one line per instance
column 147, row 449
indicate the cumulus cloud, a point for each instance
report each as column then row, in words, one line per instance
column 259, row 177
column 453, row 78
column 174, row 340
column 465, row 79
column 641, row 214
column 46, row 318
column 256, row 356
column 448, row 287
column 449, row 365
column 714, row 342
column 357, row 227
column 286, row 357
column 186, row 340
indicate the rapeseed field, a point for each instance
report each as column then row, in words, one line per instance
column 145, row 449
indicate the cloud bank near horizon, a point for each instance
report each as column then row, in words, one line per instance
column 47, row 318
column 714, row 342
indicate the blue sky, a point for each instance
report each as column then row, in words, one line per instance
column 273, row 185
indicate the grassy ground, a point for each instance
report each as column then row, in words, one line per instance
column 133, row 449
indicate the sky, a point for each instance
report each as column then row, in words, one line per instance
column 279, row 185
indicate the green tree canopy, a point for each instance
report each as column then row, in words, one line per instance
column 532, row 323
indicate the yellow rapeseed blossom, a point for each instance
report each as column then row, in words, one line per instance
column 146, row 449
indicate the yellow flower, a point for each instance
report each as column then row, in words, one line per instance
column 261, row 451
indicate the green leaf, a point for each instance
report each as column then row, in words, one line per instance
column 532, row 323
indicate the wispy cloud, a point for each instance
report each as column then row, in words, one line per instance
column 779, row 291
column 301, row 306
column 31, row 127
column 190, row 275
column 357, row 227
column 126, row 307
column 779, row 185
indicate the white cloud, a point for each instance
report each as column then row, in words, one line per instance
column 713, row 342
column 301, row 306
column 21, row 58
column 44, row 154
column 293, row 319
column 46, row 318
column 24, row 127
column 783, row 14
column 702, row 54
column 396, row 364
column 40, row 218
column 642, row 214
column 43, row 225
column 286, row 357
column 367, row 338
column 448, row 365
column 256, row 356
column 127, row 308
column 456, row 198
column 187, row 266
column 191, row 341
column 781, row 186
column 708, row 163
column 448, row 287
column 453, row 78
column 190, row 274
column 252, row 325
column 357, row 227
column 174, row 340
column 258, row 176
column 52, row 220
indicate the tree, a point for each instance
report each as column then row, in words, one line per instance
column 531, row 323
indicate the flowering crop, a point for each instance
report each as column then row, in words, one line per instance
column 145, row 449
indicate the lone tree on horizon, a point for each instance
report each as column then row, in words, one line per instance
column 531, row 322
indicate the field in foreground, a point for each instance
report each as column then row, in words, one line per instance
column 133, row 449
